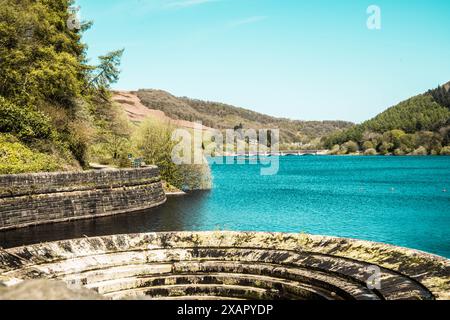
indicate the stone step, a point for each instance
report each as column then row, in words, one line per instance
column 333, row 283
column 326, row 283
column 325, row 264
column 232, row 291
column 125, row 271
column 301, row 291
column 394, row 285
column 315, row 278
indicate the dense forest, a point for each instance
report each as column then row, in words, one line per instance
column 417, row 126
column 222, row 116
column 56, row 111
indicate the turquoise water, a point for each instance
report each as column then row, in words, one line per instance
column 396, row 200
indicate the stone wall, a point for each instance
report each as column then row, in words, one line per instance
column 31, row 199
column 230, row 265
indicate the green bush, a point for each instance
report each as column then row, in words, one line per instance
column 421, row 151
column 17, row 158
column 153, row 142
column 370, row 152
column 24, row 122
column 445, row 151
column 368, row 145
column 385, row 147
column 351, row 146
column 113, row 150
column 111, row 143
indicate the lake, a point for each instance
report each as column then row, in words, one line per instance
column 403, row 201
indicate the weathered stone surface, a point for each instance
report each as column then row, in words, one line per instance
column 47, row 290
column 31, row 199
column 231, row 265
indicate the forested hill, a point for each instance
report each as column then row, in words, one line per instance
column 53, row 105
column 419, row 125
column 222, row 116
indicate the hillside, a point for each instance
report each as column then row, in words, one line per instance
column 138, row 113
column 57, row 111
column 419, row 125
column 222, row 116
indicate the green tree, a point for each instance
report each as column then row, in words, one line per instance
column 351, row 146
column 385, row 147
column 394, row 137
column 153, row 142
column 41, row 59
column 45, row 82
column 420, row 113
column 368, row 145
column 107, row 72
column 430, row 140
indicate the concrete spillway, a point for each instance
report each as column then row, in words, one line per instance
column 232, row 265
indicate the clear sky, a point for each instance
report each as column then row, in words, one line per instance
column 311, row 60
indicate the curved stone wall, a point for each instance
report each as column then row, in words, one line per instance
column 232, row 265
column 31, row 199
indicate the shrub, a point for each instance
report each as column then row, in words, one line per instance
column 394, row 137
column 421, row 151
column 385, row 147
column 24, row 122
column 17, row 158
column 408, row 142
column 113, row 150
column 368, row 145
column 445, row 151
column 153, row 142
column 112, row 141
column 429, row 140
column 351, row 146
column 370, row 152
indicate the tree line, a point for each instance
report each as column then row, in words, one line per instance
column 417, row 126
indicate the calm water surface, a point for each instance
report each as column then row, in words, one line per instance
column 399, row 200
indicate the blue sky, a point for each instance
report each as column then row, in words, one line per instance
column 311, row 60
